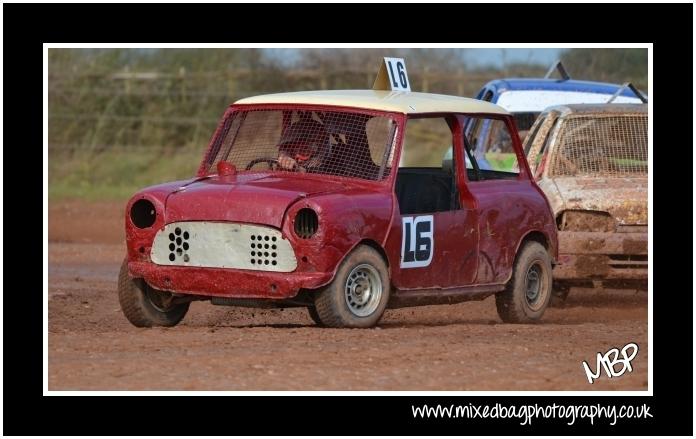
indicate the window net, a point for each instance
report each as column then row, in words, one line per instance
column 614, row 145
column 340, row 143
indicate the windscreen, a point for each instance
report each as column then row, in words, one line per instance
column 615, row 145
column 339, row 143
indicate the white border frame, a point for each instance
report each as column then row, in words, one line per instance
column 651, row 349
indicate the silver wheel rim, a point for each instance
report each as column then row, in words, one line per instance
column 534, row 286
column 363, row 290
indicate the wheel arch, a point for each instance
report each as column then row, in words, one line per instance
column 375, row 245
column 369, row 243
column 541, row 238
column 334, row 302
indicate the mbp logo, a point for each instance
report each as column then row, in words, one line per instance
column 416, row 241
column 609, row 360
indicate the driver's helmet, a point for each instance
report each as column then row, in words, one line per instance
column 306, row 141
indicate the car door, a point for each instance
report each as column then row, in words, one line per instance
column 499, row 190
column 433, row 232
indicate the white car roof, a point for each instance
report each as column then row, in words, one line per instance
column 522, row 101
column 400, row 102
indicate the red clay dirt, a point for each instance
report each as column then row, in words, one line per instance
column 447, row 347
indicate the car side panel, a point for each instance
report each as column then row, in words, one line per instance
column 509, row 210
column 453, row 251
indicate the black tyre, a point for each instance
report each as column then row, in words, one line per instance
column 528, row 293
column 358, row 294
column 314, row 315
column 559, row 294
column 145, row 306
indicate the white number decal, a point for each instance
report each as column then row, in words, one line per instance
column 417, row 241
column 398, row 77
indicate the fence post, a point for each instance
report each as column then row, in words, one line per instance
column 323, row 83
column 230, row 85
column 126, row 82
column 182, row 78
column 460, row 82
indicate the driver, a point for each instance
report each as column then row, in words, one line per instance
column 304, row 145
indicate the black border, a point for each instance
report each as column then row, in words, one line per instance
column 26, row 27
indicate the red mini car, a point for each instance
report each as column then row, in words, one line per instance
column 346, row 203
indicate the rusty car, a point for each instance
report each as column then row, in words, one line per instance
column 591, row 160
column 341, row 202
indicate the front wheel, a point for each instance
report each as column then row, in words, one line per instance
column 314, row 315
column 528, row 293
column 145, row 306
column 359, row 292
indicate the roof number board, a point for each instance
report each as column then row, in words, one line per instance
column 392, row 75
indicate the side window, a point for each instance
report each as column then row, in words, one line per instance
column 487, row 96
column 425, row 182
column 471, row 127
column 492, row 149
column 542, row 151
column 426, row 143
column 536, row 146
column 534, row 130
column 524, row 122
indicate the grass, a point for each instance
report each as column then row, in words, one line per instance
column 502, row 161
column 630, row 162
column 114, row 174
column 118, row 174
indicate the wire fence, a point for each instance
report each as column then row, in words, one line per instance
column 92, row 112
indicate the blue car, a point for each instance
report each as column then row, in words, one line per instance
column 526, row 98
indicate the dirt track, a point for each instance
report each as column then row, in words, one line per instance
column 448, row 347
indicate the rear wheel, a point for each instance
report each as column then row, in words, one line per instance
column 145, row 306
column 528, row 293
column 359, row 292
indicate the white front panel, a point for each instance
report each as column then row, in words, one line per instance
column 518, row 101
column 223, row 245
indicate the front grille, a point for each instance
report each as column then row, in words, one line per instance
column 264, row 250
column 628, row 261
column 631, row 228
column 223, row 245
column 178, row 245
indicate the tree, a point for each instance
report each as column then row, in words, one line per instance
column 609, row 65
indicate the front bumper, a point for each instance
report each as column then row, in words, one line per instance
column 225, row 282
column 602, row 255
